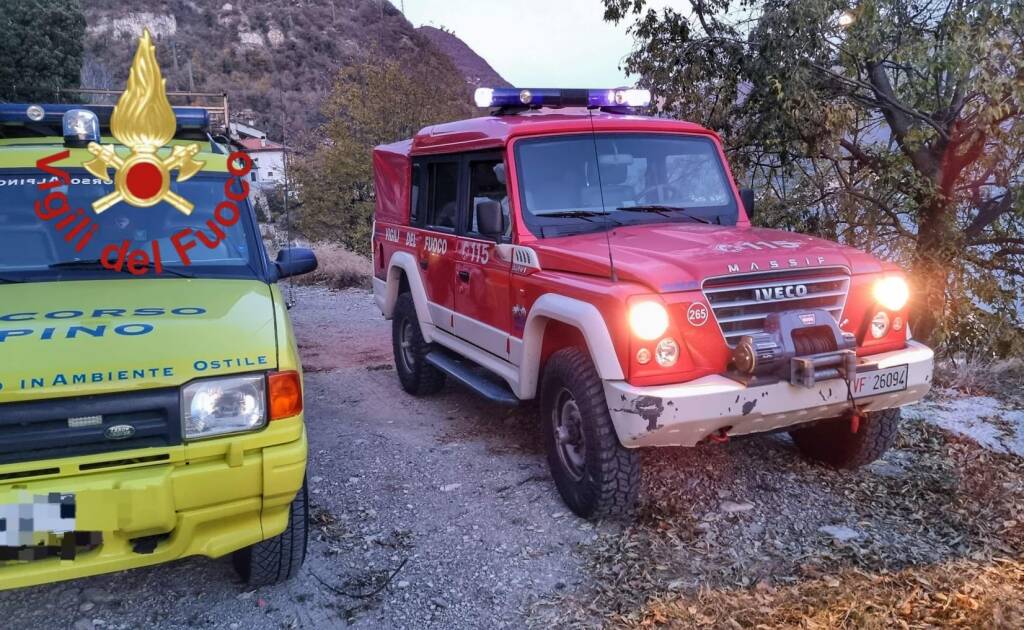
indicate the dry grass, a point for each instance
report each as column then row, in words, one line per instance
column 338, row 268
column 942, row 542
column 975, row 375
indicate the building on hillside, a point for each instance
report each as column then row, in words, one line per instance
column 267, row 161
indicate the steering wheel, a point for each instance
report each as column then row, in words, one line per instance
column 662, row 192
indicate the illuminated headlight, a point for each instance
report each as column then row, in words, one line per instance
column 667, row 352
column 892, row 292
column 649, row 320
column 880, row 325
column 219, row 406
column 483, row 97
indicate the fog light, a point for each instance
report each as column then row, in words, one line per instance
column 880, row 325
column 667, row 352
column 643, row 356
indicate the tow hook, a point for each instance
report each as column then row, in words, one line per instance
column 855, row 421
column 721, row 436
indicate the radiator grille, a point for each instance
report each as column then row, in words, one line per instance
column 741, row 303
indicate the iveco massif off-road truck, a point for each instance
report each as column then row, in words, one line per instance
column 605, row 264
column 150, row 386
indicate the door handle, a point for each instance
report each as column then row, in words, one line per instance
column 464, row 276
column 424, row 263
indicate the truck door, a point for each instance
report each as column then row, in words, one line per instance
column 436, row 248
column 482, row 315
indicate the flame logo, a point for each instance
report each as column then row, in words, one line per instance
column 144, row 122
column 143, row 117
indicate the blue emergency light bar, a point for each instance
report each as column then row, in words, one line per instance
column 24, row 115
column 553, row 97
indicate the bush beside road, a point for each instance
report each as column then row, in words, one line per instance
column 440, row 513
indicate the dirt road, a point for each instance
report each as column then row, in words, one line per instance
column 439, row 513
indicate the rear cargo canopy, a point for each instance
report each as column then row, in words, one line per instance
column 392, row 171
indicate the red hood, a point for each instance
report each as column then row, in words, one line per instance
column 677, row 257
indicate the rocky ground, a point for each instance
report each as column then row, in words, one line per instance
column 439, row 513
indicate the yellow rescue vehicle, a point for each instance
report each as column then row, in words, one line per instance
column 150, row 386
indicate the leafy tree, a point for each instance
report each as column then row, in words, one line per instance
column 41, row 48
column 371, row 104
column 893, row 125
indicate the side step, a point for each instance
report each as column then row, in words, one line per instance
column 472, row 376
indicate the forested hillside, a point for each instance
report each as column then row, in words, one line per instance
column 278, row 58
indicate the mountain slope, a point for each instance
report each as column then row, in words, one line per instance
column 472, row 66
column 277, row 58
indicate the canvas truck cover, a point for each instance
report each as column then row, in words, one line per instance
column 391, row 173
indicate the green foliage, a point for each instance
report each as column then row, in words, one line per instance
column 371, row 104
column 896, row 128
column 40, row 48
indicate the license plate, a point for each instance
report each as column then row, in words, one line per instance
column 35, row 518
column 874, row 382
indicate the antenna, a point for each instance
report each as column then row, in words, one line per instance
column 600, row 188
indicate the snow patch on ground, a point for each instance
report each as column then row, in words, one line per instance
column 988, row 421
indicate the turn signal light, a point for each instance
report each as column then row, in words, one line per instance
column 285, row 394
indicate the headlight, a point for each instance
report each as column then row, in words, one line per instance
column 649, row 320
column 880, row 325
column 667, row 352
column 892, row 292
column 218, row 406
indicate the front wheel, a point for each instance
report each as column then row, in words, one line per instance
column 831, row 441
column 278, row 559
column 593, row 472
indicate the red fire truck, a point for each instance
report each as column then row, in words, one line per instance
column 568, row 250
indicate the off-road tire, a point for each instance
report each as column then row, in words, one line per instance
column 831, row 442
column 609, row 479
column 277, row 559
column 418, row 377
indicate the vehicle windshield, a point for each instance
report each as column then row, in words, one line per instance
column 567, row 181
column 33, row 248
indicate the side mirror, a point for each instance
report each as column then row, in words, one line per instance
column 490, row 221
column 295, row 261
column 747, row 195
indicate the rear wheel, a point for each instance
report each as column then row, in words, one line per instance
column 831, row 441
column 593, row 472
column 418, row 377
column 278, row 559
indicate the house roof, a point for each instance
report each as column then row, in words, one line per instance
column 255, row 145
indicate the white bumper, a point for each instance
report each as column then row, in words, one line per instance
column 685, row 414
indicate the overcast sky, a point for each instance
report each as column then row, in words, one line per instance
column 535, row 43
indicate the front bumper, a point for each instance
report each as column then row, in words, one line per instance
column 687, row 413
column 208, row 498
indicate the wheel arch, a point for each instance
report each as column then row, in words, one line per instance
column 403, row 273
column 577, row 315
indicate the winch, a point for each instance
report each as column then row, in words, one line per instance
column 802, row 347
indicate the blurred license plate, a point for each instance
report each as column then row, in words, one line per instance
column 893, row 379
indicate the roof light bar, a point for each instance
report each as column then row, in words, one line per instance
column 18, row 114
column 554, row 97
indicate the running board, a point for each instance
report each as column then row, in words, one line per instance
column 473, row 376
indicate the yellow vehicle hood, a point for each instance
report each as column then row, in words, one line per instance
column 60, row 339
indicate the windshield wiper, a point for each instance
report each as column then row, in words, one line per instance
column 586, row 215
column 96, row 263
column 664, row 211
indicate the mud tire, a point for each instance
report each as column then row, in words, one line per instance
column 605, row 479
column 278, row 559
column 417, row 376
column 831, row 442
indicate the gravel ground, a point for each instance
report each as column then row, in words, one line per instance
column 440, row 512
